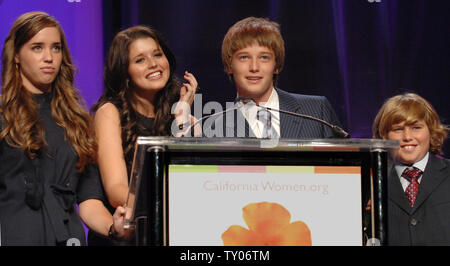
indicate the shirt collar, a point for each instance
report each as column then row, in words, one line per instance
column 273, row 101
column 420, row 164
column 250, row 110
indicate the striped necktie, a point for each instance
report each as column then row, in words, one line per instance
column 265, row 117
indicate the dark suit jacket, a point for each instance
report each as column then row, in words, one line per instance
column 428, row 222
column 233, row 123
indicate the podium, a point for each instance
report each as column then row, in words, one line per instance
column 188, row 191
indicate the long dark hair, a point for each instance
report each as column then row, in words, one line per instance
column 119, row 92
column 21, row 126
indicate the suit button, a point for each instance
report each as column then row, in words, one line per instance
column 413, row 222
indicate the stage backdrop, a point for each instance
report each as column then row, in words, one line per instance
column 356, row 53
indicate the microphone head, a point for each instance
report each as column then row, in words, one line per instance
column 340, row 132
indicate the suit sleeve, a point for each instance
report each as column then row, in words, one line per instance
column 328, row 114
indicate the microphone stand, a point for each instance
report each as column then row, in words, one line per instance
column 336, row 129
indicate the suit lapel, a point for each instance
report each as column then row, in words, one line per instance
column 395, row 191
column 432, row 177
column 289, row 125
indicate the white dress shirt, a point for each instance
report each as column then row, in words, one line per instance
column 250, row 112
column 401, row 167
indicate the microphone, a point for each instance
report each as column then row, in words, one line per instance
column 336, row 129
column 237, row 105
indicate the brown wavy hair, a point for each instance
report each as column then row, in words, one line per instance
column 119, row 87
column 21, row 126
column 410, row 108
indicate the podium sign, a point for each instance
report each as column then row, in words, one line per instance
column 232, row 191
column 205, row 200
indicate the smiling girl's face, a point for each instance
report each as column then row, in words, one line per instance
column 148, row 65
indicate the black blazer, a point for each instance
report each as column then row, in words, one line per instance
column 428, row 222
column 233, row 123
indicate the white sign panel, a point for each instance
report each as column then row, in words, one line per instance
column 206, row 201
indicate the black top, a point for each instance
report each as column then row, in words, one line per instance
column 38, row 197
column 145, row 125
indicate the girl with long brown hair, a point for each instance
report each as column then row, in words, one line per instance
column 142, row 97
column 47, row 148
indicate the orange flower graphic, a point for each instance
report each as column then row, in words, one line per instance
column 269, row 225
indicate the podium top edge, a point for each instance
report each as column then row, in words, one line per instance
column 199, row 143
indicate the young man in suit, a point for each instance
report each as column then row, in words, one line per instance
column 253, row 56
column 419, row 179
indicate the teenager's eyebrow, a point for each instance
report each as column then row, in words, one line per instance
column 42, row 43
column 159, row 50
column 243, row 52
column 417, row 122
column 136, row 56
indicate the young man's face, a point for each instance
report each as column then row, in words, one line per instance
column 253, row 68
